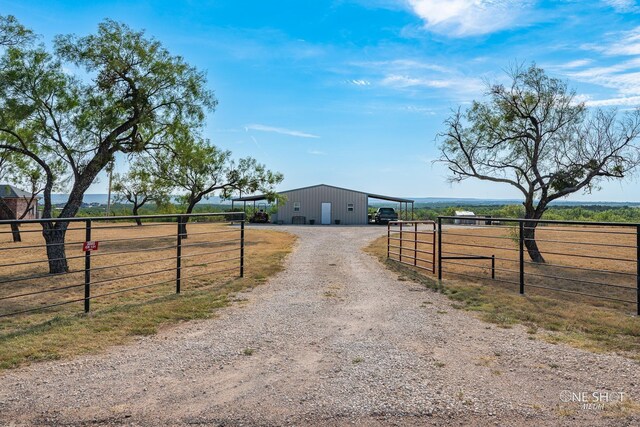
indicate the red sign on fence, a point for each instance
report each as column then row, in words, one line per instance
column 91, row 245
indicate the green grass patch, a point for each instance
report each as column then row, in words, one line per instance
column 557, row 320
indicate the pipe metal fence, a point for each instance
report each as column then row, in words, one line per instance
column 595, row 261
column 412, row 243
column 112, row 260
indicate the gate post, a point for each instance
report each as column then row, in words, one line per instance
column 242, row 247
column 638, row 269
column 87, row 268
column 439, row 248
column 415, row 243
column 388, row 238
column 401, row 242
column 179, row 255
column 521, row 248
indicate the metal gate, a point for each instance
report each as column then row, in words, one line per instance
column 412, row 243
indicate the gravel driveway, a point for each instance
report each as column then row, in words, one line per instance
column 335, row 339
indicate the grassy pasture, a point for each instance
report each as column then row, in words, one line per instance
column 583, row 321
column 600, row 261
column 128, row 257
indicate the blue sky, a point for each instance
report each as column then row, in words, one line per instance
column 353, row 92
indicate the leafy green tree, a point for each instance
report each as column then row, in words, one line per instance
column 198, row 169
column 139, row 186
column 12, row 33
column 136, row 93
column 533, row 135
column 5, row 210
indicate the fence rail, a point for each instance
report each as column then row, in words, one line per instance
column 413, row 240
column 596, row 261
column 112, row 256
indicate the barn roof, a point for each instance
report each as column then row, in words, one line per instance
column 10, row 192
column 257, row 197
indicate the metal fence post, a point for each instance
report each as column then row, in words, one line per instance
column 439, row 248
column 388, row 238
column 179, row 255
column 493, row 266
column 638, row 270
column 415, row 243
column 242, row 247
column 433, row 249
column 401, row 244
column 87, row 269
column 521, row 234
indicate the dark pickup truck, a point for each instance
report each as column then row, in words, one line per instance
column 384, row 215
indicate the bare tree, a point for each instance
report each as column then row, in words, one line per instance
column 535, row 136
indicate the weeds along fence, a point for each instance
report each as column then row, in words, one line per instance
column 598, row 263
column 114, row 261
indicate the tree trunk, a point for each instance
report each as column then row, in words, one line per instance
column 135, row 213
column 54, row 235
column 15, row 232
column 183, row 225
column 7, row 213
column 529, row 235
column 529, row 229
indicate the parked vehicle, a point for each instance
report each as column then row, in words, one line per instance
column 384, row 215
column 261, row 216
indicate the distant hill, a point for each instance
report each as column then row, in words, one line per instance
column 102, row 199
column 450, row 201
column 447, row 201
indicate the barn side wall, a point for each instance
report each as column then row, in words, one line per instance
column 18, row 207
column 311, row 200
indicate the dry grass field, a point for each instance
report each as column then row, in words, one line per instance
column 140, row 258
column 599, row 261
column 584, row 321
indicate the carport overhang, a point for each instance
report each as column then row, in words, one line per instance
column 244, row 200
column 403, row 213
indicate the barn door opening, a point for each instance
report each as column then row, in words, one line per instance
column 326, row 213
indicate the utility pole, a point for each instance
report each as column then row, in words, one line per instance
column 110, row 168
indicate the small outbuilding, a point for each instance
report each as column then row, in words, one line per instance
column 465, row 217
column 19, row 201
column 326, row 204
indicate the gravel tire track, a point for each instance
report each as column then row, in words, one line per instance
column 335, row 339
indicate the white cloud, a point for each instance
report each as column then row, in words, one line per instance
column 406, row 81
column 460, row 84
column 317, row 152
column 612, row 102
column 461, row 18
column 622, row 43
column 415, row 75
column 619, row 73
column 581, row 97
column 400, row 66
column 282, row 131
column 415, row 65
column 576, row 64
column 623, row 6
column 420, row 110
column 358, row 82
column 623, row 76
